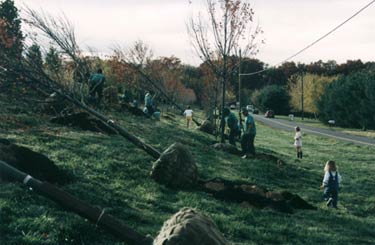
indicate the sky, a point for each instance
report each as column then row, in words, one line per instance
column 288, row 25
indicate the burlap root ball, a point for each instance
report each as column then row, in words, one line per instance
column 175, row 168
column 189, row 227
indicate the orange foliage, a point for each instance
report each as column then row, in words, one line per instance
column 5, row 38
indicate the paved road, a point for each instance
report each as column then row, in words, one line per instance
column 289, row 125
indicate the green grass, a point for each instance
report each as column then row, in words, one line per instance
column 111, row 173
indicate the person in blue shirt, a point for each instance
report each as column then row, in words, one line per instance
column 247, row 141
column 96, row 84
column 232, row 123
column 149, row 103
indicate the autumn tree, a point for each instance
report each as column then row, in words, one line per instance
column 313, row 88
column 226, row 27
column 11, row 38
column 10, row 29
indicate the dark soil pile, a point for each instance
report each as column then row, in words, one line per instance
column 83, row 121
column 250, row 195
column 55, row 104
column 30, row 162
column 231, row 149
column 175, row 168
column 207, row 127
column 132, row 109
column 189, row 227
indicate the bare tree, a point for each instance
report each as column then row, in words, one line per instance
column 223, row 30
column 60, row 31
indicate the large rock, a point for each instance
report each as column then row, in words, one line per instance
column 30, row 162
column 189, row 227
column 207, row 127
column 175, row 168
column 231, row 149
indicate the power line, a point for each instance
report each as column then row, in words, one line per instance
column 313, row 43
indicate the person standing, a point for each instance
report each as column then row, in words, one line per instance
column 232, row 123
column 331, row 184
column 189, row 116
column 96, row 85
column 298, row 142
column 247, row 141
column 149, row 103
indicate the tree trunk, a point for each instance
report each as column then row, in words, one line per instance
column 69, row 202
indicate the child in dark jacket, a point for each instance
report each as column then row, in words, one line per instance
column 331, row 184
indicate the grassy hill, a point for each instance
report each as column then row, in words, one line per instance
column 111, row 173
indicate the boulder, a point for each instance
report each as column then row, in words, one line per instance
column 207, row 127
column 175, row 168
column 189, row 227
column 30, row 162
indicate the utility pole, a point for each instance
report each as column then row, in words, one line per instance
column 239, row 90
column 302, row 74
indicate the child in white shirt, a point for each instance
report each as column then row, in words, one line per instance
column 189, row 116
column 298, row 142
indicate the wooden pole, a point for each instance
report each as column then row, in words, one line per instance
column 69, row 202
column 239, row 91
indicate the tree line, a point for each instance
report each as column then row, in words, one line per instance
column 277, row 88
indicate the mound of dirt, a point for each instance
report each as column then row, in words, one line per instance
column 83, row 121
column 132, row 109
column 175, row 168
column 55, row 104
column 207, row 127
column 231, row 149
column 30, row 162
column 250, row 195
column 189, row 227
